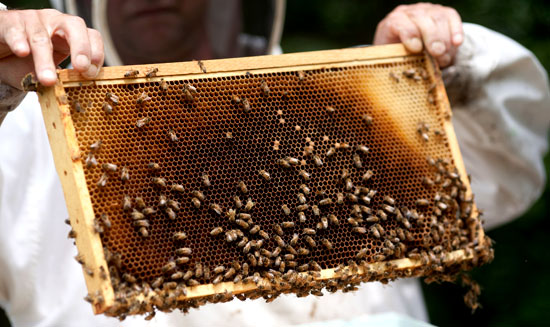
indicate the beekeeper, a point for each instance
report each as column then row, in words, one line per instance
column 501, row 111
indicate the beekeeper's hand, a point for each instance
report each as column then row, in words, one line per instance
column 423, row 25
column 39, row 40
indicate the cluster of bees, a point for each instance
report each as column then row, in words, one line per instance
column 275, row 256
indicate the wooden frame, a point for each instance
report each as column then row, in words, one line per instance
column 69, row 162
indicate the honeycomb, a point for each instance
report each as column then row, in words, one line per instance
column 358, row 153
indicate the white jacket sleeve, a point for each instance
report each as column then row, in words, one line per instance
column 501, row 111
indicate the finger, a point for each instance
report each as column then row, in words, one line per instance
column 442, row 24
column 15, row 36
column 432, row 37
column 76, row 33
column 97, row 54
column 399, row 28
column 41, row 48
column 455, row 26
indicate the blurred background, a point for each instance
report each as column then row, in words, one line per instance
column 515, row 286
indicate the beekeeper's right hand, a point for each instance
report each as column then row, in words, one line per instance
column 39, row 40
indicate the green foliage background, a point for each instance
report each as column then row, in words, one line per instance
column 516, row 286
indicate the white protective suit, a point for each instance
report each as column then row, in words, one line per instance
column 501, row 106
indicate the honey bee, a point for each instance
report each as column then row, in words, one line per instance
column 173, row 204
column 442, row 206
column 124, row 175
column 358, row 163
column 301, row 217
column 284, row 163
column 305, row 175
column 363, row 149
column 105, row 220
column 216, row 209
column 230, row 214
column 265, row 88
column 245, row 216
column 77, row 106
column 131, row 73
column 374, row 231
column 373, row 219
column 153, row 166
column 394, row 77
column 170, row 212
column 229, row 273
column 201, row 66
column 263, row 234
column 278, row 230
column 196, row 202
column 246, row 104
column 177, row 275
column 152, row 72
column 88, row 298
column 327, row 244
column 180, row 236
column 142, row 122
column 102, row 182
column 265, row 175
column 184, row 252
column 339, row 198
column 163, row 85
column 388, row 208
column 287, row 224
column 306, row 190
column 159, row 182
column 310, row 241
column 242, row 223
column 235, row 99
column 301, row 198
column 325, row 201
column 293, row 161
column 362, row 253
column 112, row 98
column 254, row 229
column 315, row 210
column 216, row 231
column 172, row 136
column 177, row 188
column 126, row 203
column 409, row 73
column 301, row 75
column 367, row 119
column 90, row 161
column 303, row 251
column 309, row 231
column 107, row 108
column 422, row 202
column 231, row 236
column 136, row 215
column 317, row 160
column 359, row 230
column 242, row 187
column 389, row 200
column 109, row 167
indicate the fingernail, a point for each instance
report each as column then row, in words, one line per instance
column 48, row 75
column 414, row 44
column 20, row 47
column 438, row 48
column 82, row 61
column 91, row 72
column 457, row 39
